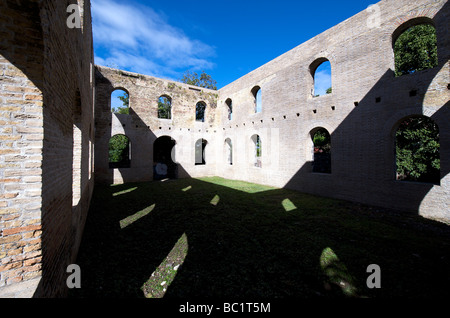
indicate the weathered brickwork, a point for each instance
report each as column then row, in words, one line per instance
column 361, row 114
column 142, row 126
column 55, row 107
column 45, row 82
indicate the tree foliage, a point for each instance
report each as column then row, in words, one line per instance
column 416, row 50
column 200, row 111
column 164, row 107
column 125, row 98
column 417, row 150
column 203, row 80
column 322, row 140
column 119, row 150
column 417, row 138
column 322, row 151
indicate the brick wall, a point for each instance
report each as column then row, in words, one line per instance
column 142, row 126
column 362, row 137
column 46, row 137
column 47, row 131
column 21, row 140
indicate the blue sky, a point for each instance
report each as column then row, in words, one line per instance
column 226, row 39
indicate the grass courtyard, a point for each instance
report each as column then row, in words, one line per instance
column 212, row 237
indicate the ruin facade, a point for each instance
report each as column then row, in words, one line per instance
column 56, row 124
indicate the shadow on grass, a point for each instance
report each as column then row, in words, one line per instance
column 234, row 239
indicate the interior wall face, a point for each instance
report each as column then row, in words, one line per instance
column 143, row 127
column 361, row 114
column 47, row 110
column 56, row 124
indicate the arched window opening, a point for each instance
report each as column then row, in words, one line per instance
column 415, row 49
column 229, row 104
column 200, row 109
column 165, row 107
column 417, row 150
column 164, row 165
column 229, row 151
column 321, row 72
column 257, row 94
column 321, row 150
column 120, row 102
column 257, row 154
column 200, row 147
column 119, row 152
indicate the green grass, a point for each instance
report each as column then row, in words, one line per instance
column 212, row 237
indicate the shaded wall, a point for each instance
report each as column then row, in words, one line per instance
column 49, row 76
column 143, row 127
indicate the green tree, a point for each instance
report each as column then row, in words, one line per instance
column 119, row 151
column 322, row 140
column 416, row 50
column 417, row 150
column 417, row 138
column 200, row 111
column 204, row 80
column 125, row 98
column 329, row 90
column 164, row 107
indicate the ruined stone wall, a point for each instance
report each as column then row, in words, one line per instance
column 47, row 130
column 48, row 109
column 361, row 113
column 142, row 126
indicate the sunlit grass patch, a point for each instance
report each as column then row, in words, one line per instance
column 336, row 272
column 215, row 200
column 133, row 218
column 187, row 189
column 288, row 205
column 238, row 185
column 124, row 191
column 163, row 276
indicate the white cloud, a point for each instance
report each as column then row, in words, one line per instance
column 136, row 38
column 322, row 81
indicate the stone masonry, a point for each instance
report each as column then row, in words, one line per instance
column 56, row 123
column 46, row 137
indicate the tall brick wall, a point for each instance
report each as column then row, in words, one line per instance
column 21, row 139
column 46, row 134
column 362, row 136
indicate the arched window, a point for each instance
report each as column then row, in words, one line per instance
column 200, row 147
column 120, row 102
column 417, row 150
column 119, row 152
column 256, row 92
column 165, row 107
column 257, row 151
column 229, row 104
column 321, row 150
column 229, row 151
column 200, row 109
column 321, row 73
column 415, row 47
